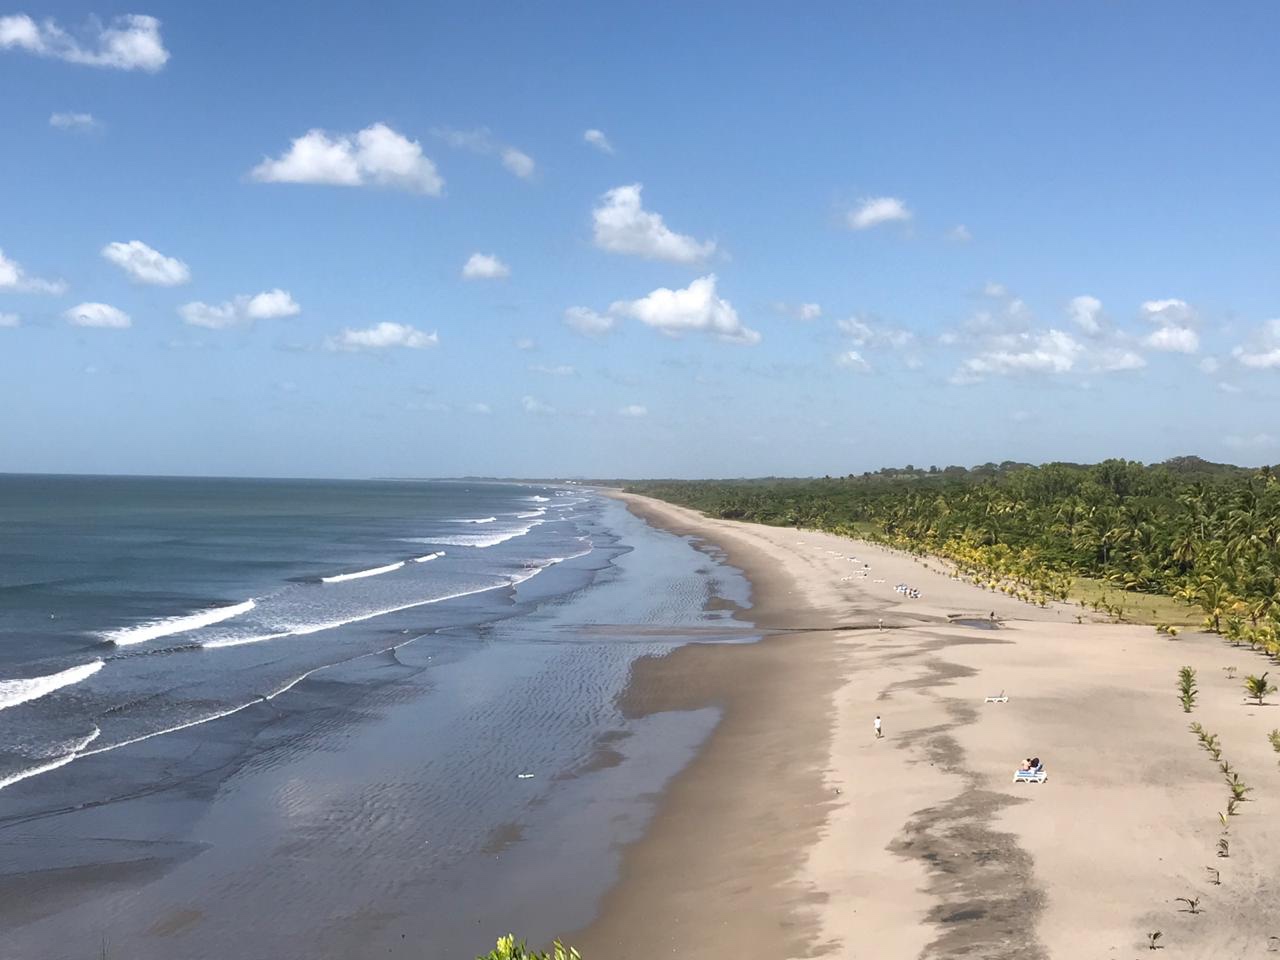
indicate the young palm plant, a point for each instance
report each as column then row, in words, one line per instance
column 1258, row 688
column 1187, row 688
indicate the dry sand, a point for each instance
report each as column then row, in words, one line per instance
column 796, row 833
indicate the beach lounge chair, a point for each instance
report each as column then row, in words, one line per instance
column 1037, row 775
column 999, row 698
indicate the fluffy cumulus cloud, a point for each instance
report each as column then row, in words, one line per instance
column 960, row 233
column 588, row 322
column 483, row 266
column 382, row 336
column 9, row 320
column 17, row 280
column 853, row 360
column 1051, row 351
column 633, row 410
column 146, row 265
column 73, row 121
column 97, row 315
column 481, row 141
column 622, row 225
column 694, row 309
column 376, row 156
column 1264, row 352
column 873, row 211
column 243, row 310
column 130, row 42
column 597, row 139
column 1086, row 313
column 1175, row 326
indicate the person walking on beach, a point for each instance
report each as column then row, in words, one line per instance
column 879, row 732
column 882, row 624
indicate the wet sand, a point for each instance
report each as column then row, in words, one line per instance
column 795, row 833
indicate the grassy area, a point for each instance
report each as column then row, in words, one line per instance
column 1150, row 608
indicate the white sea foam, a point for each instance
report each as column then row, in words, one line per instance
column 359, row 574
column 52, row 764
column 429, row 556
column 14, row 692
column 481, row 520
column 478, row 540
column 303, row 629
column 541, row 511
column 537, row 499
column 152, row 629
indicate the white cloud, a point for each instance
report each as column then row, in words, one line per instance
column 480, row 408
column 482, row 266
column 526, row 343
column 1086, row 313
column 518, row 162
column 799, row 311
column 587, row 322
column 146, row 265
column 13, row 277
column 9, row 320
column 130, row 42
column 696, row 308
column 376, row 156
column 868, row 332
column 73, row 121
column 382, row 336
column 633, row 410
column 873, row 211
column 534, row 405
column 1228, row 387
column 997, row 291
column 97, row 315
column 562, row 370
column 1116, row 360
column 1210, row 365
column 622, row 225
column 1174, row 340
column 960, row 233
column 481, row 141
column 853, row 360
column 1050, row 352
column 1264, row 353
column 1174, row 320
column 244, row 309
column 271, row 304
column 1168, row 312
column 598, row 140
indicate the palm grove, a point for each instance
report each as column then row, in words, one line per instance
column 1116, row 534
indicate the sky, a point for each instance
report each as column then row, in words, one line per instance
column 611, row 240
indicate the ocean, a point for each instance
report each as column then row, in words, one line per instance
column 287, row 718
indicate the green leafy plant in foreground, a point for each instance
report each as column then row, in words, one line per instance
column 1187, row 688
column 509, row 948
column 1257, row 688
column 1274, row 738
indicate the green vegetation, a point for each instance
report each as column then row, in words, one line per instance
column 1274, row 738
column 1187, row 688
column 1180, row 543
column 1258, row 687
column 509, row 948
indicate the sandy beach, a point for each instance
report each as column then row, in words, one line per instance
column 796, row 833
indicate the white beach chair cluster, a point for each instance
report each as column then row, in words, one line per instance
column 907, row 591
column 1035, row 775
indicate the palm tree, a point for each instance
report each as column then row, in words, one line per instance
column 1258, row 687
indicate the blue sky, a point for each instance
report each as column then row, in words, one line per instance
column 819, row 241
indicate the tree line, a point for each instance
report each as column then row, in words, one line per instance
column 1204, row 533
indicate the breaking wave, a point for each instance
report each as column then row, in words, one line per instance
column 153, row 629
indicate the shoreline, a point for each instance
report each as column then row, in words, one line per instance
column 794, row 833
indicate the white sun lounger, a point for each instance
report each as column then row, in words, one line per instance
column 1000, row 699
column 1037, row 775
